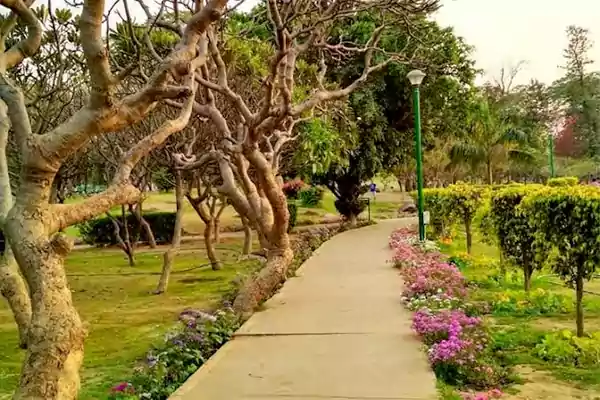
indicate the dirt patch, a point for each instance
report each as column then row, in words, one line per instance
column 592, row 324
column 540, row 385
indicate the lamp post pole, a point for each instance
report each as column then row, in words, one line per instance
column 551, row 154
column 416, row 77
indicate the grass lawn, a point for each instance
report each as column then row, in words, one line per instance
column 383, row 207
column 516, row 335
column 122, row 317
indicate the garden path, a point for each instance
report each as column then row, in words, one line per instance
column 336, row 331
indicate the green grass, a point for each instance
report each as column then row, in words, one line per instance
column 122, row 317
column 514, row 335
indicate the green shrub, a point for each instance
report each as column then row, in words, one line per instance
column 566, row 348
column 293, row 211
column 566, row 223
column 100, row 231
column 463, row 201
column 440, row 215
column 510, row 224
column 563, row 181
column 164, row 179
column 311, row 196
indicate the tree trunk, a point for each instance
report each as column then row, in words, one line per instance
column 280, row 254
column 56, row 335
column 247, row 237
column 15, row 292
column 579, row 290
column 258, row 289
column 352, row 220
column 217, row 222
column 527, row 272
column 210, row 246
column 12, row 285
column 468, row 234
column 170, row 254
column 124, row 244
column 139, row 216
column 490, row 173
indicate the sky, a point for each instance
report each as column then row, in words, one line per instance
column 505, row 32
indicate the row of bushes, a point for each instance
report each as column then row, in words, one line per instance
column 101, row 231
column 555, row 226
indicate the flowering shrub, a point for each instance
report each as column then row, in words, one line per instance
column 434, row 327
column 183, row 352
column 458, row 343
column 292, row 188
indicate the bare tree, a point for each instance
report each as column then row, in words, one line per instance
column 257, row 129
column 32, row 225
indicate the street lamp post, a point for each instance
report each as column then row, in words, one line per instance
column 551, row 154
column 416, row 77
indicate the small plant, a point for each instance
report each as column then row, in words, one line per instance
column 566, row 348
column 311, row 196
column 539, row 302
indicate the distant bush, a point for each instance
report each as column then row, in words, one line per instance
column 311, row 196
column 100, row 231
column 563, row 181
column 163, row 178
column 293, row 210
column 292, row 188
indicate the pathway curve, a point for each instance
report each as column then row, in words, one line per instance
column 336, row 331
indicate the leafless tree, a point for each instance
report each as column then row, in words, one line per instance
column 253, row 137
column 32, row 223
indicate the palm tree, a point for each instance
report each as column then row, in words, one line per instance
column 490, row 140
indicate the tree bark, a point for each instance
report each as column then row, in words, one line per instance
column 170, row 254
column 280, row 254
column 56, row 334
column 15, row 292
column 210, row 246
column 527, row 272
column 579, row 302
column 247, row 237
column 12, row 285
column 124, row 243
column 490, row 173
column 469, row 235
column 139, row 216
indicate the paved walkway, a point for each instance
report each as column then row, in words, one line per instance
column 336, row 331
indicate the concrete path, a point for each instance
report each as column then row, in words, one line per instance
column 336, row 331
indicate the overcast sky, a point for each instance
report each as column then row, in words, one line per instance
column 506, row 31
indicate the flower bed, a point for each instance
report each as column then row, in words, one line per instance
column 457, row 341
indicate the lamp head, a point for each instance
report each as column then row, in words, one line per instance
column 415, row 77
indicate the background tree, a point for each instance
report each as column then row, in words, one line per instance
column 381, row 111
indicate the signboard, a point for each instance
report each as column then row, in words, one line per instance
column 426, row 217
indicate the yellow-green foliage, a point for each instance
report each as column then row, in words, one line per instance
column 563, row 181
column 441, row 217
column 568, row 220
column 511, row 226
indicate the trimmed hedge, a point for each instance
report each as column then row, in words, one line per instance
column 440, row 216
column 100, row 231
column 563, row 181
column 566, row 224
column 511, row 225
